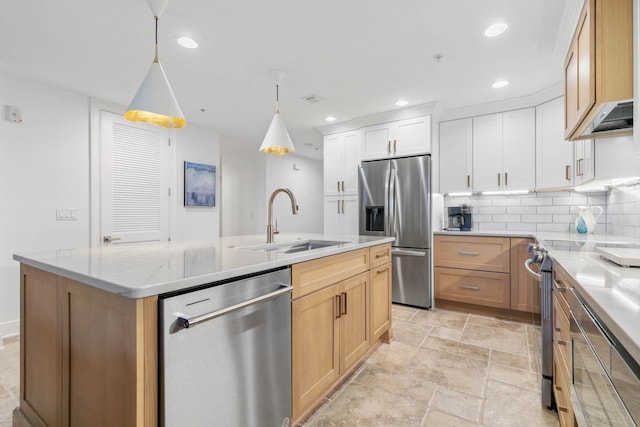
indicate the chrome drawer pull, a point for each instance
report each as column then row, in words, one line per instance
column 468, row 253
column 470, row 287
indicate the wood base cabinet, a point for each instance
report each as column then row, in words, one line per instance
column 86, row 355
column 332, row 322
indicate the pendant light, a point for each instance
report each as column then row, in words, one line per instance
column 155, row 102
column 277, row 140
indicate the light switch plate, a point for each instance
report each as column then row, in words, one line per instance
column 66, row 214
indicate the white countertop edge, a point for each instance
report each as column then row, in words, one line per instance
column 186, row 283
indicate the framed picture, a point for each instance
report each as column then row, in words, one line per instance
column 199, row 184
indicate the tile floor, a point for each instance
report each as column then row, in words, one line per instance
column 444, row 368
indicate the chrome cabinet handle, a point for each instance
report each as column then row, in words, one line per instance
column 468, row 253
column 406, row 252
column 470, row 287
column 187, row 322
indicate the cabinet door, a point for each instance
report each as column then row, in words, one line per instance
column 376, row 142
column 333, row 160
column 525, row 291
column 584, row 161
column 315, row 347
column 380, row 301
column 351, row 159
column 349, row 217
column 554, row 155
column 354, row 320
column 519, row 149
column 411, row 136
column 487, row 153
column 456, row 139
column 333, row 215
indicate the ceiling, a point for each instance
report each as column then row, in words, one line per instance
column 359, row 56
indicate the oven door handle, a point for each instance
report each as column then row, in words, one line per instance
column 186, row 322
column 530, row 272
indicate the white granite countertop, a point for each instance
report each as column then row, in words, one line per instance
column 141, row 270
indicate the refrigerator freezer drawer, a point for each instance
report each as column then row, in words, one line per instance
column 411, row 277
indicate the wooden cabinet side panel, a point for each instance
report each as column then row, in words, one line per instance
column 315, row 348
column 380, row 301
column 355, row 326
column 310, row 276
column 473, row 252
column 40, row 347
column 525, row 291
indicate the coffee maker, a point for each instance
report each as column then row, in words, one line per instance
column 460, row 218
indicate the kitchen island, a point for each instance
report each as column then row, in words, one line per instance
column 89, row 317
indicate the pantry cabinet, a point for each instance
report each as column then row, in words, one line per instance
column 504, row 151
column 395, row 139
column 599, row 64
column 456, row 145
column 341, row 158
column 341, row 215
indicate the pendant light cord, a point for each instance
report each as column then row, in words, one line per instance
column 277, row 99
column 156, row 58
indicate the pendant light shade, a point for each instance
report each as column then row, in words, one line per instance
column 155, row 102
column 277, row 140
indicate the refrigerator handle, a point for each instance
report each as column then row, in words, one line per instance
column 387, row 208
column 392, row 201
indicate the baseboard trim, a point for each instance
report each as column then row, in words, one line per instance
column 9, row 329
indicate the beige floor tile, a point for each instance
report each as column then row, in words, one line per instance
column 507, row 405
column 360, row 405
column 437, row 418
column 493, row 322
column 450, row 370
column 393, row 357
column 455, row 403
column 517, row 377
column 509, row 359
column 446, row 333
column 7, row 404
column 400, row 384
column 410, row 332
column 468, row 350
column 436, row 317
column 495, row 338
column 10, row 365
column 402, row 312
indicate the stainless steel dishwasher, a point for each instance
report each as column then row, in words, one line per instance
column 225, row 354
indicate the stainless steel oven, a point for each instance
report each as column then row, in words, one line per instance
column 605, row 379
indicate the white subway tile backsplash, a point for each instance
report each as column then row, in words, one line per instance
column 539, row 201
column 562, row 228
column 494, row 210
column 506, row 218
column 567, row 219
column 553, row 210
column 521, row 227
column 537, row 218
column 570, row 200
column 520, row 210
column 508, row 201
column 482, row 218
column 492, row 226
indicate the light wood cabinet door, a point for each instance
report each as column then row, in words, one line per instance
column 525, row 291
column 456, row 139
column 315, row 345
column 354, row 320
column 380, row 301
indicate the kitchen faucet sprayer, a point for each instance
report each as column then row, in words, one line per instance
column 294, row 210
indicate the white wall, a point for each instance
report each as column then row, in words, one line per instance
column 44, row 165
column 303, row 176
column 242, row 182
column 200, row 146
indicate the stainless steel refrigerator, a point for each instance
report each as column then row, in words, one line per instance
column 395, row 200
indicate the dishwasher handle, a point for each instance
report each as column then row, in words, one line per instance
column 186, row 322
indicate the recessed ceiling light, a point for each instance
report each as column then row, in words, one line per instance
column 187, row 42
column 401, row 103
column 496, row 29
column 330, row 119
column 499, row 84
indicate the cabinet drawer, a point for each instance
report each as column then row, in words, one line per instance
column 316, row 274
column 475, row 253
column 380, row 255
column 562, row 391
column 561, row 332
column 561, row 287
column 475, row 287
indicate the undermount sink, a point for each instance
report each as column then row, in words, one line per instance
column 295, row 246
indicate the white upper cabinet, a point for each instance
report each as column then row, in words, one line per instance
column 341, row 158
column 395, row 139
column 341, row 215
column 554, row 155
column 584, row 165
column 504, row 151
column 456, row 138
